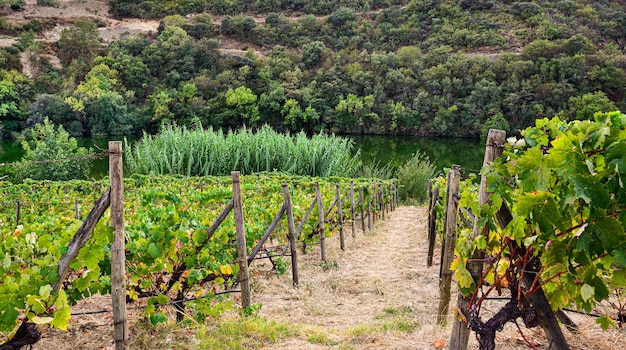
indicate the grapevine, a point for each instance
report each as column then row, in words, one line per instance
column 169, row 254
column 565, row 186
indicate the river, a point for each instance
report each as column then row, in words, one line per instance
column 444, row 152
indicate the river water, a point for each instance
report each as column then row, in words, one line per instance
column 444, row 152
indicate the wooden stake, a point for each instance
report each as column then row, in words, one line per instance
column 242, row 250
column 81, row 237
column 118, row 256
column 19, row 211
column 369, row 216
column 306, row 217
column 352, row 207
column 362, row 200
column 460, row 330
column 77, row 209
column 320, row 210
column 342, row 239
column 382, row 200
column 292, row 235
column 375, row 203
column 452, row 208
column 432, row 222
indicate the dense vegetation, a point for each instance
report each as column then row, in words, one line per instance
column 180, row 151
column 170, row 255
column 564, row 185
column 394, row 67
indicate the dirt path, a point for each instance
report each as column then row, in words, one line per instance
column 380, row 295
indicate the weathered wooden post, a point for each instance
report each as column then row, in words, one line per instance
column 320, row 209
column 460, row 330
column 242, row 250
column 369, row 216
column 382, row 199
column 292, row 235
column 342, row 239
column 362, row 208
column 118, row 256
column 77, row 209
column 452, row 208
column 433, row 195
column 352, row 207
column 374, row 218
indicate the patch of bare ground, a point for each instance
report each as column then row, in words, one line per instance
column 381, row 295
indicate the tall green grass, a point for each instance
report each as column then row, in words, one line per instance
column 199, row 151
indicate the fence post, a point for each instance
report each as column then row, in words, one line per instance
column 342, row 239
column 77, row 209
column 369, row 216
column 320, row 209
column 433, row 195
column 118, row 256
column 362, row 208
column 375, row 206
column 382, row 202
column 242, row 252
column 352, row 207
column 460, row 330
column 292, row 235
column 452, row 208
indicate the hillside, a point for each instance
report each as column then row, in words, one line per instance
column 451, row 68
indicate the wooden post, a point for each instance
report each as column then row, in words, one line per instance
column 362, row 199
column 452, row 208
column 342, row 240
column 320, row 209
column 19, row 212
column 292, row 235
column 460, row 330
column 382, row 200
column 118, row 256
column 369, row 216
column 432, row 221
column 352, row 207
column 242, row 252
column 375, row 202
column 77, row 209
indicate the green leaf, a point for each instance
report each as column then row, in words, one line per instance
column 620, row 258
column 158, row 318
column 605, row 322
column 586, row 292
column 463, row 276
column 61, row 318
column 155, row 250
column 36, row 304
column 162, row 299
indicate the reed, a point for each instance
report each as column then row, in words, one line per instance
column 203, row 152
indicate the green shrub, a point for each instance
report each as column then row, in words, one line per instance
column 46, row 142
column 413, row 178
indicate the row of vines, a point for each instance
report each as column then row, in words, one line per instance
column 170, row 256
column 554, row 223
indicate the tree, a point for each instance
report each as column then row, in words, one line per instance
column 583, row 107
column 99, row 103
column 242, row 101
column 47, row 142
column 80, row 40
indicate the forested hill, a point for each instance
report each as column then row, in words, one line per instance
column 452, row 68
